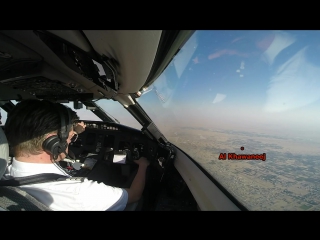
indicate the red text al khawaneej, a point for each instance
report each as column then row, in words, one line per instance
column 234, row 156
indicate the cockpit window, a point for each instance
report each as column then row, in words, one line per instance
column 83, row 113
column 112, row 108
column 118, row 112
column 245, row 105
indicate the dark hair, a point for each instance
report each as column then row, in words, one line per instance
column 31, row 121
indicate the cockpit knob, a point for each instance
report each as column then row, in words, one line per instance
column 161, row 161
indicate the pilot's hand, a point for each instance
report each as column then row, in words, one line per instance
column 142, row 162
column 80, row 127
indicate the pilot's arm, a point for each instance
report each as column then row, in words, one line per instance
column 138, row 183
column 79, row 127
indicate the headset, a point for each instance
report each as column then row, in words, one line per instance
column 57, row 144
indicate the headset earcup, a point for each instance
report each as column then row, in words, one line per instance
column 52, row 145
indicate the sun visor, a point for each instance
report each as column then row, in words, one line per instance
column 98, row 69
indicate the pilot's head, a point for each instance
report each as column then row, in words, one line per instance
column 36, row 126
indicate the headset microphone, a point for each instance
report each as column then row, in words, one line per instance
column 57, row 144
column 71, row 154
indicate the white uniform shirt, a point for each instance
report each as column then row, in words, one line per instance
column 69, row 195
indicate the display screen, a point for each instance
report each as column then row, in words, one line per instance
column 120, row 157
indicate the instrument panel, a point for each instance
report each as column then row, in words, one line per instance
column 105, row 140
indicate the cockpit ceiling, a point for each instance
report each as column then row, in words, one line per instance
column 33, row 66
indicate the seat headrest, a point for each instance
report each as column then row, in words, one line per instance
column 4, row 152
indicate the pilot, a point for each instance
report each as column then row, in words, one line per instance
column 33, row 129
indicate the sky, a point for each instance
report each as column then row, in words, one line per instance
column 236, row 80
